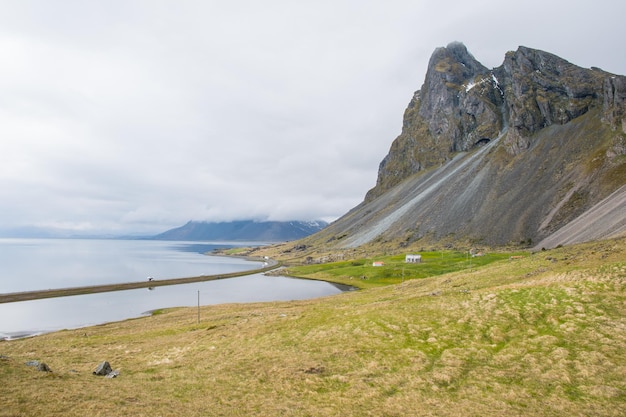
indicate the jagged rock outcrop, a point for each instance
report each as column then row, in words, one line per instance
column 541, row 89
column 614, row 103
column 510, row 154
column 457, row 108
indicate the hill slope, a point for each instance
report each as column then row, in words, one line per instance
column 509, row 155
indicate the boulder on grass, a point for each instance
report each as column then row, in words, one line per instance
column 103, row 369
column 43, row 367
column 113, row 374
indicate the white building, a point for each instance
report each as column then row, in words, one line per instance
column 413, row 259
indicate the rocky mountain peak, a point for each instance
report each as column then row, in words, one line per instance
column 452, row 64
column 450, row 104
column 457, row 108
column 462, row 105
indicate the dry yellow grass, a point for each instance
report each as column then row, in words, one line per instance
column 539, row 336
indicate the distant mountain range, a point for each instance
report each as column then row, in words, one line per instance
column 267, row 231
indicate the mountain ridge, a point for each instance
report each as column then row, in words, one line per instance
column 500, row 156
column 249, row 230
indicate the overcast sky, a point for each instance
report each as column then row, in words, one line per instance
column 137, row 116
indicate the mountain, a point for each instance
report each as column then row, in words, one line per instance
column 530, row 153
column 269, row 231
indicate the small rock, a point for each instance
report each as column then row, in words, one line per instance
column 32, row 363
column 103, row 369
column 42, row 367
column 113, row 374
column 315, row 370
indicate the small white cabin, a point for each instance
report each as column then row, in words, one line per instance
column 413, row 259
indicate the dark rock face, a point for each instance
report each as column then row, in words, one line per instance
column 542, row 89
column 450, row 106
column 614, row 101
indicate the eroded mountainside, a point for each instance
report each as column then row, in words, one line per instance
column 500, row 156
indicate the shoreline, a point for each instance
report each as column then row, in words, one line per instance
column 93, row 289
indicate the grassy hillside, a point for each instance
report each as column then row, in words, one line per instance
column 544, row 335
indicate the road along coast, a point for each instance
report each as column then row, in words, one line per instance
column 269, row 264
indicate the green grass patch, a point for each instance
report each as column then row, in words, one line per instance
column 362, row 273
column 236, row 251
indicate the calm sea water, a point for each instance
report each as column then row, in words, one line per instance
column 36, row 264
column 33, row 264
